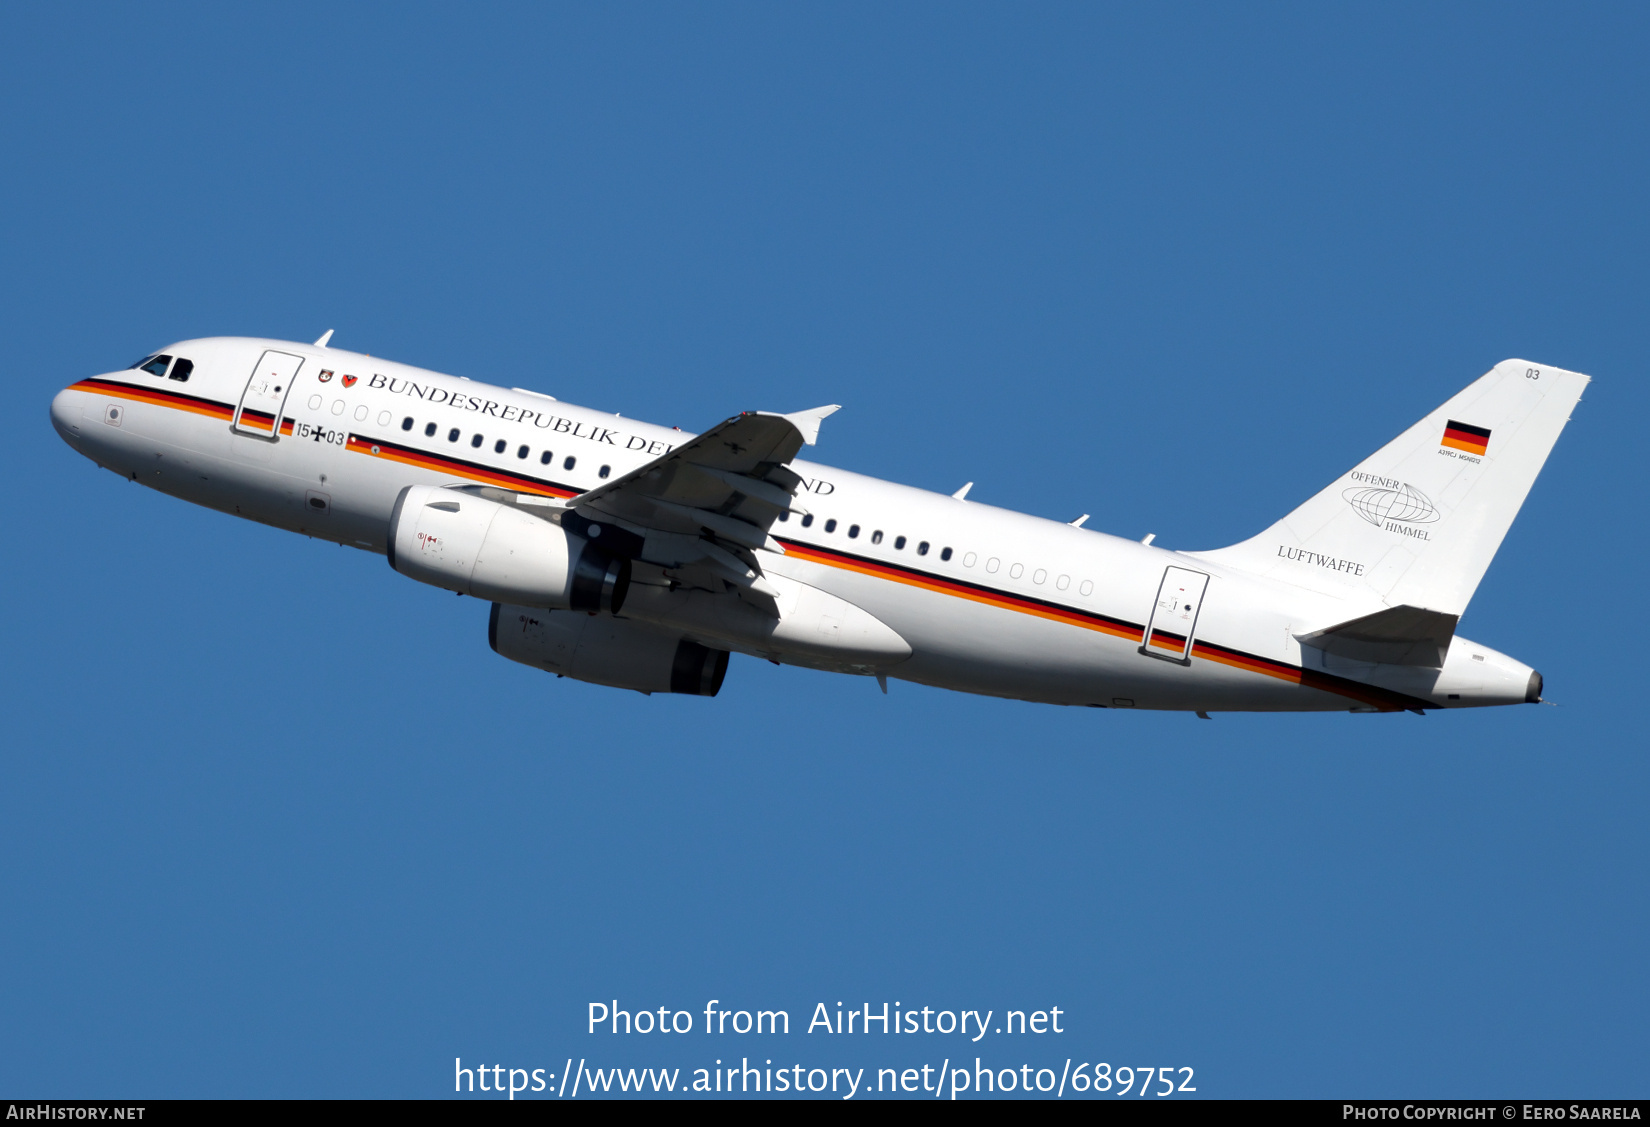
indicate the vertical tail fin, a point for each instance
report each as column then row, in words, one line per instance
column 1417, row 523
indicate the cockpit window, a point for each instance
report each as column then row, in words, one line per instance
column 181, row 370
column 156, row 366
column 141, row 363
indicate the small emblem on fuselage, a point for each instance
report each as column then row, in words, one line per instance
column 326, row 374
column 349, row 381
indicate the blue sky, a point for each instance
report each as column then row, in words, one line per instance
column 274, row 821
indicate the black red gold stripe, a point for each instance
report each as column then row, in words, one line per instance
column 1371, row 695
column 1462, row 436
column 162, row 397
column 475, row 471
column 1162, row 639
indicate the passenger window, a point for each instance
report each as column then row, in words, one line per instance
column 569, row 463
column 992, row 564
column 476, row 441
column 1016, row 571
column 807, row 519
column 429, row 430
column 830, row 525
column 876, row 537
column 945, row 553
column 968, row 560
column 899, row 543
column 1038, row 576
column 853, row 532
column 157, row 366
column 407, row 423
column 604, row 471
column 181, row 370
column 922, row 549
column 522, row 453
column 498, row 447
column 544, row 458
column 452, row 435
column 784, row 515
column 1063, row 582
column 1087, row 588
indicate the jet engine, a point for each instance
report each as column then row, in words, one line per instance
column 607, row 651
column 501, row 553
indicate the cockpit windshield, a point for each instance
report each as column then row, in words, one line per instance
column 156, row 365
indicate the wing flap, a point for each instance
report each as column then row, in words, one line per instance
column 711, row 502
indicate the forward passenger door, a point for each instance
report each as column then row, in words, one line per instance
column 259, row 411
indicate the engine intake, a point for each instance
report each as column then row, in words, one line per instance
column 500, row 553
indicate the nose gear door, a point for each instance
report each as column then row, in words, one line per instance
column 259, row 411
column 1174, row 616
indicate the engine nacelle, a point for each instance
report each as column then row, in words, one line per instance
column 500, row 553
column 607, row 651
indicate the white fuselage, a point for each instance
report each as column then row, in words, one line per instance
column 988, row 600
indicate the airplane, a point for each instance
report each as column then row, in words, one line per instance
column 639, row 556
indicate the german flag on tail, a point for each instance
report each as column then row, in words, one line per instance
column 1460, row 436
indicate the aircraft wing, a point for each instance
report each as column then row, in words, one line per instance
column 707, row 506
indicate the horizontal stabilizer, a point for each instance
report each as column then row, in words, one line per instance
column 1395, row 636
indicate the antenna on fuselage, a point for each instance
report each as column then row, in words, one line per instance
column 962, row 494
column 326, row 336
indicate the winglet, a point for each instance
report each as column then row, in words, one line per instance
column 326, row 336
column 808, row 421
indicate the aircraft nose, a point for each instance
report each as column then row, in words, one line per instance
column 66, row 414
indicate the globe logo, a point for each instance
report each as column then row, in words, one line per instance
column 1406, row 504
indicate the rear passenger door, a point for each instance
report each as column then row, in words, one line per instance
column 1169, row 630
column 259, row 411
